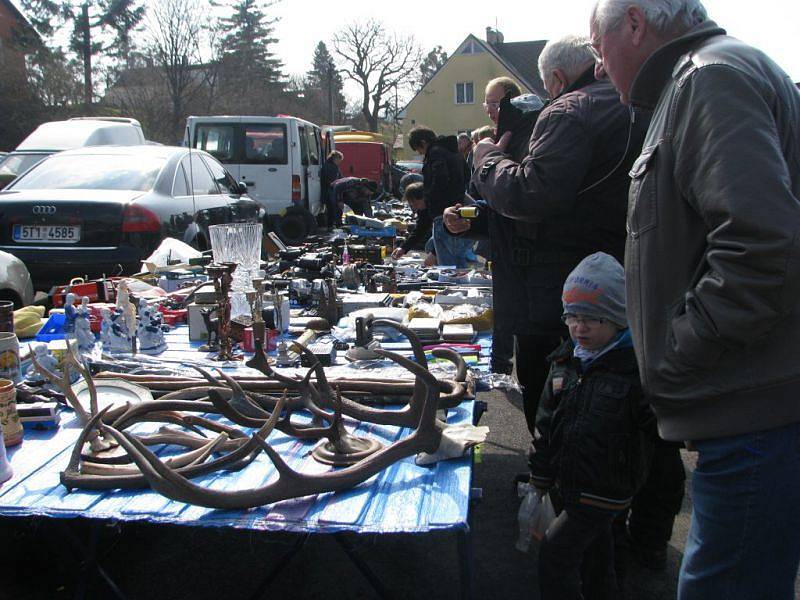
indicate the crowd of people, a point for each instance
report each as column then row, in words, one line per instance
column 673, row 149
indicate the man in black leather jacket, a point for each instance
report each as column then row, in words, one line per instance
column 713, row 281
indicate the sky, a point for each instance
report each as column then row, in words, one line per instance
column 771, row 25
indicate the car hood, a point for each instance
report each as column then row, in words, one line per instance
column 71, row 195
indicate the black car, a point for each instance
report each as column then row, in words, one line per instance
column 103, row 209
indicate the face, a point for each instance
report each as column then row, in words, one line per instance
column 592, row 337
column 464, row 145
column 417, row 204
column 494, row 94
column 621, row 51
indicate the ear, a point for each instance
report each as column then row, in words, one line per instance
column 637, row 24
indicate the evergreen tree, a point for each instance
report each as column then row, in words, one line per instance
column 248, row 64
column 430, row 64
column 324, row 86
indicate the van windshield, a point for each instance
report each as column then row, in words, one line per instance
column 15, row 164
column 265, row 144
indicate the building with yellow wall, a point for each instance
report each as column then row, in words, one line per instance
column 452, row 101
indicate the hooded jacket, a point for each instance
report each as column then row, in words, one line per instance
column 594, row 429
column 443, row 175
column 713, row 251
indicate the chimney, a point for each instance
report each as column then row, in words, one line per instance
column 493, row 36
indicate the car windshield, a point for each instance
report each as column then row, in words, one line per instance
column 93, row 172
column 14, row 164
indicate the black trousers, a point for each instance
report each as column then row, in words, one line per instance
column 532, row 368
column 576, row 558
column 658, row 502
column 502, row 352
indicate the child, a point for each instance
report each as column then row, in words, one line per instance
column 414, row 195
column 593, row 433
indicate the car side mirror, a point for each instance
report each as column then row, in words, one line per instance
column 241, row 188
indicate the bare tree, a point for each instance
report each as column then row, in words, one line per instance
column 175, row 45
column 380, row 62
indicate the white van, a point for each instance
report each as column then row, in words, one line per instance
column 77, row 132
column 279, row 159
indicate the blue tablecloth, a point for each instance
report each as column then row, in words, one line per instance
column 402, row 498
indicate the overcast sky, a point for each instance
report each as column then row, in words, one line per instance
column 771, row 25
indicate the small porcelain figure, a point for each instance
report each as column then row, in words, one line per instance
column 83, row 330
column 150, row 330
column 70, row 312
column 119, row 339
column 45, row 359
column 105, row 327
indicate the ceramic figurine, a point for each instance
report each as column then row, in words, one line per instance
column 70, row 312
column 105, row 327
column 44, row 358
column 119, row 339
column 83, row 330
column 150, row 330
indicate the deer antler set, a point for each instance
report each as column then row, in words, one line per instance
column 230, row 448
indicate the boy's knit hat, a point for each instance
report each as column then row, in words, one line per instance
column 596, row 288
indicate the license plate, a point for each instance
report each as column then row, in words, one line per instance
column 47, row 234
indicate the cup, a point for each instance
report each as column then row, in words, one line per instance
column 5, row 466
column 6, row 316
column 9, row 419
column 9, row 357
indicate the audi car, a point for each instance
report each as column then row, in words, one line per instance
column 101, row 210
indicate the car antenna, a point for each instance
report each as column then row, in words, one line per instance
column 191, row 166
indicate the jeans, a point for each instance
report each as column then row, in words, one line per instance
column 451, row 250
column 744, row 540
column 576, row 559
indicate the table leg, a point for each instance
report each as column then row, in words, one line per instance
column 465, row 561
column 361, row 565
column 89, row 561
column 280, row 565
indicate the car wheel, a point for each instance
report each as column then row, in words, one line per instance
column 292, row 228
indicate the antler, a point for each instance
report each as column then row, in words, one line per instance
column 289, row 483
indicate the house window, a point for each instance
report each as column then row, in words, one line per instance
column 465, row 92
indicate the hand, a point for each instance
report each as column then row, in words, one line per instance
column 453, row 222
column 487, row 145
column 398, row 253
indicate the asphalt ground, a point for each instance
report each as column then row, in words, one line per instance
column 176, row 563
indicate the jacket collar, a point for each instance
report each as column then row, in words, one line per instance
column 656, row 71
column 620, row 359
column 585, row 78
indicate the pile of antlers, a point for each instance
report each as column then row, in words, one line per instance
column 228, row 447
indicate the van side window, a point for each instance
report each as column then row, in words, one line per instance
column 303, row 145
column 179, row 186
column 220, row 175
column 313, row 146
column 217, row 140
column 265, row 144
column 198, row 175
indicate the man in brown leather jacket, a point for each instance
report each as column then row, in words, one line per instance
column 713, row 280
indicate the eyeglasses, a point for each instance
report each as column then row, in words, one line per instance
column 488, row 105
column 570, row 320
column 598, row 58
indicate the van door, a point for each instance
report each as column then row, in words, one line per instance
column 265, row 166
column 219, row 140
column 315, row 160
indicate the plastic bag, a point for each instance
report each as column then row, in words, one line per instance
column 542, row 517
column 527, row 510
